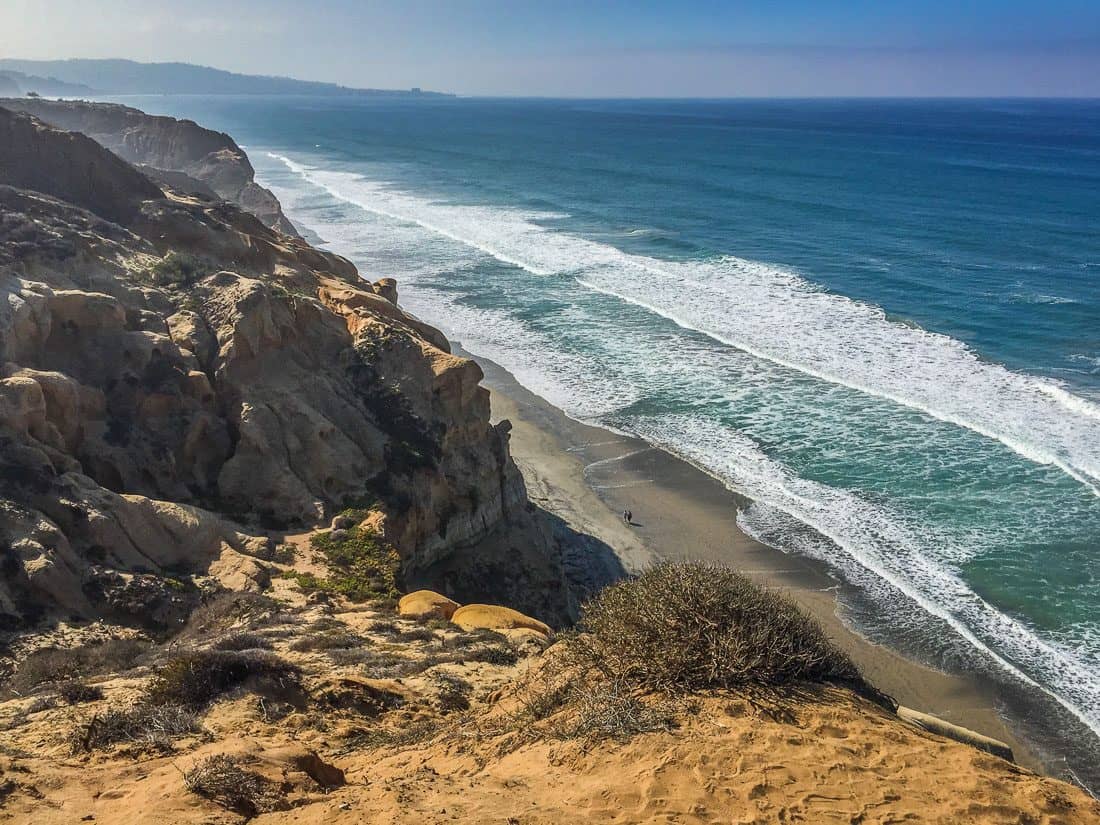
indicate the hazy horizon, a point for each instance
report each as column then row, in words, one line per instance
column 570, row 49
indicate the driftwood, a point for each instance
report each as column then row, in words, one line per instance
column 934, row 724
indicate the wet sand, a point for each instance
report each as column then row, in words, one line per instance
column 589, row 475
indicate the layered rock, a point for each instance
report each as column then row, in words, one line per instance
column 178, row 153
column 172, row 369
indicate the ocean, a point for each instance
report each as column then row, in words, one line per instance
column 880, row 320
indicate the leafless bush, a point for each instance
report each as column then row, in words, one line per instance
column 222, row 611
column 151, row 725
column 611, row 710
column 220, row 779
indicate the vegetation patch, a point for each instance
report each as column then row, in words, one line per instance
column 329, row 640
column 243, row 641
column 223, row 781
column 152, row 726
column 76, row 693
column 360, row 565
column 180, row 269
column 196, row 679
column 53, row 666
column 691, row 627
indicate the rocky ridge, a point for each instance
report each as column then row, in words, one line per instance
column 179, row 383
column 178, row 153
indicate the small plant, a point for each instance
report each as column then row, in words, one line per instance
column 361, row 566
column 179, row 269
column 220, row 779
column 196, row 679
column 225, row 610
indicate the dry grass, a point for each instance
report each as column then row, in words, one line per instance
column 220, row 779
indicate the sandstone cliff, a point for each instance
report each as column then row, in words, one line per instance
column 177, row 379
column 179, row 153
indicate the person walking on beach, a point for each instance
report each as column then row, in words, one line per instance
column 626, row 517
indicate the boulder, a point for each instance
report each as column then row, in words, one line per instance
column 426, row 604
column 495, row 617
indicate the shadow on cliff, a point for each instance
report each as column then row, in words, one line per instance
column 510, row 567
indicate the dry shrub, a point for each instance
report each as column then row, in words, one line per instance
column 690, row 627
column 220, row 779
column 453, row 692
column 75, row 693
column 611, row 710
column 226, row 609
column 195, row 679
column 329, row 640
column 53, row 665
column 243, row 641
column 149, row 725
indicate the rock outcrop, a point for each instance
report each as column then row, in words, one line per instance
column 179, row 153
column 176, row 378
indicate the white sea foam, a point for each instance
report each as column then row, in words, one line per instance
column 887, row 544
column 774, row 315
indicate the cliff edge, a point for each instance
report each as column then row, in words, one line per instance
column 178, row 153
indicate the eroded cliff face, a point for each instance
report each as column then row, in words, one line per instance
column 178, row 153
column 179, row 379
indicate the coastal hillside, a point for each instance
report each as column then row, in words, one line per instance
column 178, row 153
column 129, row 77
column 179, row 380
column 265, row 558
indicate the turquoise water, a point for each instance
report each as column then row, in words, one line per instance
column 880, row 320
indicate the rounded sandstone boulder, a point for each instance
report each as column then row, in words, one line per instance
column 426, row 604
column 495, row 617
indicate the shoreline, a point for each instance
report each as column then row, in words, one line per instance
column 588, row 475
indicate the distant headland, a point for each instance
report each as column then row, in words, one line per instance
column 127, row 77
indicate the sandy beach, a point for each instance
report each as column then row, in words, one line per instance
column 589, row 475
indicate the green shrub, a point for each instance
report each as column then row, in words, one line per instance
column 360, row 566
column 179, row 268
column 690, row 627
column 196, row 679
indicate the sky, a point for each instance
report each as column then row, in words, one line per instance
column 595, row 49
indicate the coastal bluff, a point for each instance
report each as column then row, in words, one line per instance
column 178, row 153
column 180, row 382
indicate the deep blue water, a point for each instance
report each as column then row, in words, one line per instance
column 879, row 319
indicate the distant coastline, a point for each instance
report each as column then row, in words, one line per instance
column 78, row 77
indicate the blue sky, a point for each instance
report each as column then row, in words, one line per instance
column 563, row 47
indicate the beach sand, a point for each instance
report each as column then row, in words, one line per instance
column 589, row 475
